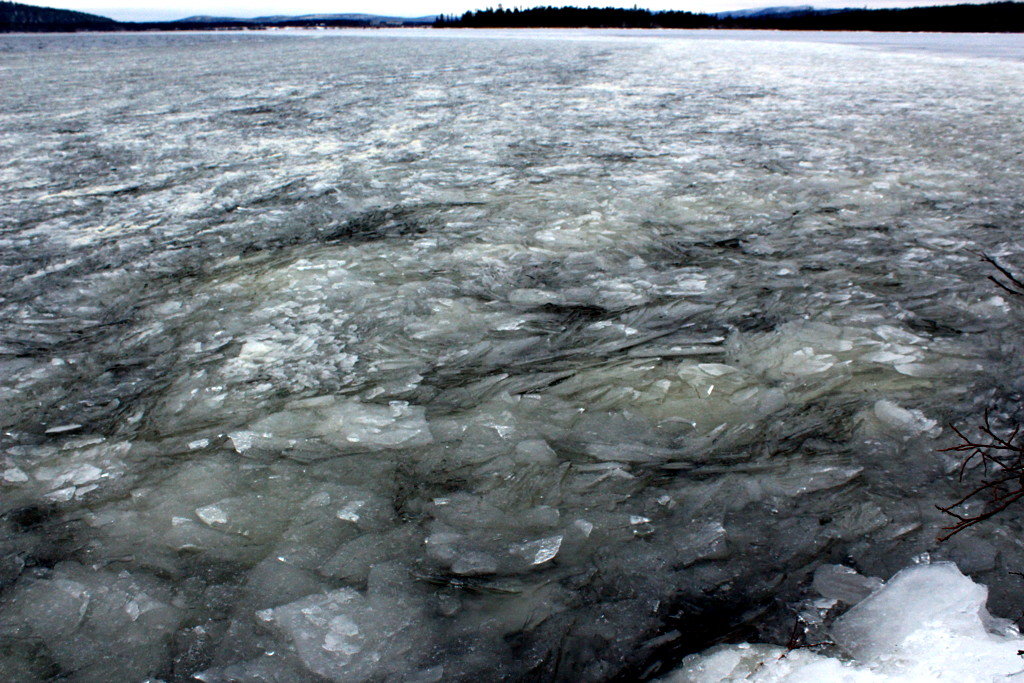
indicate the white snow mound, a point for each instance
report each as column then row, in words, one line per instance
column 928, row 623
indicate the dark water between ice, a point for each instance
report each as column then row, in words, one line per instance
column 529, row 355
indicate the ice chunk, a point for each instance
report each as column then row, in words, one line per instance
column 349, row 512
column 909, row 421
column 61, row 495
column 63, row 429
column 245, row 440
column 806, row 362
column 343, row 635
column 76, row 475
column 531, row 297
column 534, row 451
column 688, row 286
column 843, row 583
column 346, row 425
column 272, row 667
column 927, row 599
column 99, row 624
column 539, row 551
column 395, row 425
column 360, row 507
column 897, row 335
column 797, row 477
column 584, row 526
column 705, row 541
column 354, row 559
column 891, row 358
column 79, row 475
column 211, row 515
column 474, row 563
column 858, row 520
column 256, row 350
column 14, row 475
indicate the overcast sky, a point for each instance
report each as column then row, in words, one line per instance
column 128, row 10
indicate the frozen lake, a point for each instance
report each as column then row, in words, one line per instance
column 449, row 355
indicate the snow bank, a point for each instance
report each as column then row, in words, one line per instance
column 928, row 623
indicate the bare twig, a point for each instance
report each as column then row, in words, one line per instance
column 1002, row 483
column 798, row 640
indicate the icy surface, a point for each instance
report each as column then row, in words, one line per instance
column 928, row 623
column 487, row 355
column 843, row 583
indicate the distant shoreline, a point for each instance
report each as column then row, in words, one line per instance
column 510, row 29
column 995, row 18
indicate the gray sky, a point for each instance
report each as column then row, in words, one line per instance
column 155, row 10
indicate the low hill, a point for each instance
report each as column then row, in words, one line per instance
column 17, row 17
column 312, row 19
column 205, row 19
column 765, row 11
column 994, row 17
column 371, row 19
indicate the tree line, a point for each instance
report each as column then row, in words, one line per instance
column 996, row 17
column 576, row 17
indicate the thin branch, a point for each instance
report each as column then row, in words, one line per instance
column 1000, row 489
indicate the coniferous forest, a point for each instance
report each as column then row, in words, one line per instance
column 998, row 17
column 578, row 17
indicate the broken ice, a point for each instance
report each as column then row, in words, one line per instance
column 428, row 355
